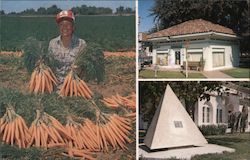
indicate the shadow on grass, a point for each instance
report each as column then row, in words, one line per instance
column 212, row 157
column 225, row 141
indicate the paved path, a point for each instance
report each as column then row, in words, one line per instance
column 183, row 153
column 215, row 74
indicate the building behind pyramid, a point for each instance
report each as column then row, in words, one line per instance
column 172, row 126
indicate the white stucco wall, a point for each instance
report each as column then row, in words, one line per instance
column 214, row 103
column 154, row 56
column 231, row 49
column 248, row 129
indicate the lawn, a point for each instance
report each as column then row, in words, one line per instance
column 240, row 142
column 168, row 74
column 238, row 72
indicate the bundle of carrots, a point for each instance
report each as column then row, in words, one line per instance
column 42, row 79
column 47, row 132
column 112, row 102
column 84, row 137
column 117, row 101
column 13, row 129
column 73, row 85
column 113, row 130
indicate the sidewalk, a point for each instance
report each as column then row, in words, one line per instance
column 183, row 153
column 215, row 74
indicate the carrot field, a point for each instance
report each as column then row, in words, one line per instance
column 111, row 32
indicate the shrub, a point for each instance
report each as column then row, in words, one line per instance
column 213, row 129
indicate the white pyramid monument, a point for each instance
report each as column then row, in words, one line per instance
column 172, row 126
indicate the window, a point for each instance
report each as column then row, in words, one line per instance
column 208, row 115
column 195, row 56
column 162, row 59
column 203, row 115
column 218, row 59
column 178, row 124
column 219, row 116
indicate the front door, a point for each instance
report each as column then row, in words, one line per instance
column 177, row 57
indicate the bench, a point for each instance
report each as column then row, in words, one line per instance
column 193, row 65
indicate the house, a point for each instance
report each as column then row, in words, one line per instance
column 205, row 45
column 220, row 107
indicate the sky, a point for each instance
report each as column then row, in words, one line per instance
column 20, row 5
column 146, row 21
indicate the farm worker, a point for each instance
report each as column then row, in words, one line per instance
column 66, row 46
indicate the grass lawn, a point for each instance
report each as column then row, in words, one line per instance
column 238, row 72
column 240, row 142
column 168, row 74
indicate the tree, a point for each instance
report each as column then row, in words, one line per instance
column 85, row 10
column 122, row 10
column 232, row 14
column 29, row 12
column 53, row 10
column 150, row 94
column 2, row 12
column 41, row 11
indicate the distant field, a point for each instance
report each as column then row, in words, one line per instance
column 111, row 32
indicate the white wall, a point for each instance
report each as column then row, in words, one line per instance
column 154, row 59
column 248, row 129
column 214, row 103
column 231, row 52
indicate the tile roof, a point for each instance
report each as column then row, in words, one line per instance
column 191, row 27
column 144, row 36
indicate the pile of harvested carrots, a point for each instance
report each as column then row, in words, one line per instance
column 77, row 139
column 13, row 129
column 73, row 85
column 42, row 79
column 119, row 101
column 47, row 132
